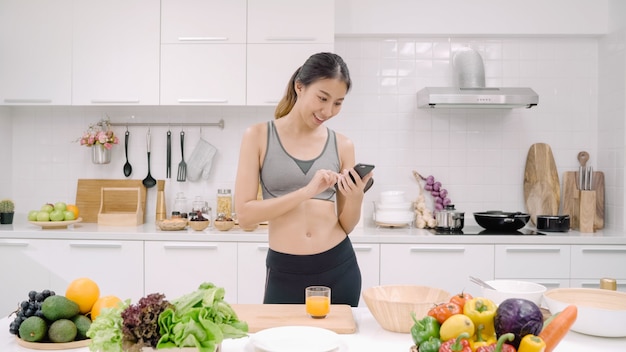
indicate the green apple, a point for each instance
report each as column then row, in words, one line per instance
column 68, row 215
column 47, row 208
column 56, row 215
column 43, row 216
column 32, row 215
column 60, row 206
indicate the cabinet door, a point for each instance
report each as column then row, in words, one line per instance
column 251, row 271
column 288, row 21
column 271, row 65
column 203, row 74
column 178, row 268
column 368, row 256
column 116, row 266
column 532, row 261
column 595, row 262
column 24, row 268
column 443, row 266
column 203, row 21
column 36, row 54
column 116, row 52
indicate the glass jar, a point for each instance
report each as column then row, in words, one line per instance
column 200, row 205
column 224, row 202
column 180, row 204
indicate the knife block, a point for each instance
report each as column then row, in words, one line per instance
column 584, row 211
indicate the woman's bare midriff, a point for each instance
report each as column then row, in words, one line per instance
column 311, row 228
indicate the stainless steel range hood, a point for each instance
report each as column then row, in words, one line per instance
column 471, row 91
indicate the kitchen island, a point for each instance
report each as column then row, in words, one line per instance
column 369, row 337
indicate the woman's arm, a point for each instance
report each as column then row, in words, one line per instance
column 350, row 195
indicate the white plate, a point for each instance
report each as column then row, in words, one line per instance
column 55, row 224
column 295, row 338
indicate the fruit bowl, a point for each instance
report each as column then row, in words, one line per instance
column 392, row 305
column 53, row 345
column 172, row 224
column 55, row 224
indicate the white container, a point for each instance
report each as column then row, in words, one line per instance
column 389, row 197
column 514, row 289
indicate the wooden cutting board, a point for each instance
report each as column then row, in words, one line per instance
column 265, row 316
column 542, row 190
column 570, row 195
column 88, row 196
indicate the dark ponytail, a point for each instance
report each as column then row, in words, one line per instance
column 318, row 66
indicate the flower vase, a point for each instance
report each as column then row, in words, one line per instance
column 100, row 154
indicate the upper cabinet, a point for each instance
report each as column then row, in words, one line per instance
column 35, row 52
column 116, row 52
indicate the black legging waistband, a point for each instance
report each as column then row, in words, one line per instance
column 311, row 263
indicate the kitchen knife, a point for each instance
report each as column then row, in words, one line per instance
column 583, row 157
column 589, row 177
column 168, row 168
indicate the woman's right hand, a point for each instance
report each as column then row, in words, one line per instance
column 321, row 181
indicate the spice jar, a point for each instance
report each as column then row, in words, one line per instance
column 608, row 284
column 224, row 201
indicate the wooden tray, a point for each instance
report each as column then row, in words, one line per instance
column 265, row 316
column 52, row 345
column 88, row 196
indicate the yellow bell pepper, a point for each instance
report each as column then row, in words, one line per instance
column 479, row 340
column 532, row 343
column 482, row 311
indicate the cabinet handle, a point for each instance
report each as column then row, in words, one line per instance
column 362, row 248
column 13, row 244
column 290, row 39
column 533, row 250
column 202, row 39
column 437, row 249
column 204, row 101
column 190, row 246
column 263, row 247
column 28, row 101
column 603, row 250
column 122, row 101
column 96, row 245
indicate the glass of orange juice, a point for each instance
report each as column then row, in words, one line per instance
column 317, row 301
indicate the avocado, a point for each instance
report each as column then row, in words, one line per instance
column 82, row 325
column 62, row 330
column 58, row 307
column 33, row 329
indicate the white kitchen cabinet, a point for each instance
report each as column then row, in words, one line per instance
column 177, row 268
column 525, row 262
column 115, row 56
column 116, row 266
column 24, row 268
column 36, row 54
column 288, row 21
column 444, row 266
column 590, row 263
column 271, row 65
column 203, row 21
column 203, row 74
column 251, row 271
column 368, row 257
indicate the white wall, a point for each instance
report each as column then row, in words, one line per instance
column 6, row 149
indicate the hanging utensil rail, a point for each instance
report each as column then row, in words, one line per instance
column 219, row 124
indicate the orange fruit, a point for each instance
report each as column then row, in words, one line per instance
column 103, row 302
column 85, row 292
column 73, row 209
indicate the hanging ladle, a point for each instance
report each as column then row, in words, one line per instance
column 149, row 181
column 128, row 169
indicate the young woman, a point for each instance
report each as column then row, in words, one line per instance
column 309, row 200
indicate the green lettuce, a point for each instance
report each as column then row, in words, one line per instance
column 106, row 331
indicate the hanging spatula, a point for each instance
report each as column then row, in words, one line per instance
column 182, row 166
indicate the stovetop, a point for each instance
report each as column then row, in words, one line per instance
column 479, row 231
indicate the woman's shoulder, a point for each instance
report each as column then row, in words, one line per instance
column 343, row 140
column 259, row 128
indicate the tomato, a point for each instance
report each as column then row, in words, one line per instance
column 443, row 311
column 461, row 298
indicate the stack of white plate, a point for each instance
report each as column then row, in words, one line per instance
column 393, row 210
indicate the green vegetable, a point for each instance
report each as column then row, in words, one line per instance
column 431, row 345
column 200, row 319
column 106, row 331
column 424, row 329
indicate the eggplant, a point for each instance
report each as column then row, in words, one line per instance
column 518, row 316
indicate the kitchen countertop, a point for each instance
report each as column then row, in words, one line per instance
column 22, row 229
column 369, row 337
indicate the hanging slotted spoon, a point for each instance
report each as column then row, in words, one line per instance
column 182, row 166
column 149, row 181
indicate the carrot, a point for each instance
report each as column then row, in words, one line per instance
column 558, row 327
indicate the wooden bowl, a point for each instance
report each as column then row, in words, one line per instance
column 172, row 224
column 198, row 225
column 223, row 225
column 600, row 312
column 392, row 305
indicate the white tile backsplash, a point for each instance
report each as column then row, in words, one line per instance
column 478, row 155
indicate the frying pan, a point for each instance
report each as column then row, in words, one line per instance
column 502, row 221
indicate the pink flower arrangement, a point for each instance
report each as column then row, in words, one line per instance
column 99, row 133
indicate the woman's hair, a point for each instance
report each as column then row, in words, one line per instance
column 318, row 66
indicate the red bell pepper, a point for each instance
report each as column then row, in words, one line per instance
column 500, row 346
column 460, row 344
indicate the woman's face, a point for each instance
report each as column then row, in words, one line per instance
column 320, row 100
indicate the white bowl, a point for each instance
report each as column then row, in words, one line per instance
column 394, row 216
column 392, row 197
column 393, row 206
column 514, row 289
column 600, row 312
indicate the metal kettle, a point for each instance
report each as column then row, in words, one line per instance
column 450, row 219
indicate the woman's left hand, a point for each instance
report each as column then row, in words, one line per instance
column 349, row 188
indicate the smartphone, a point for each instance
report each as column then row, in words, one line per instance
column 362, row 170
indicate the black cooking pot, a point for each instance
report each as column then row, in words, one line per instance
column 553, row 223
column 501, row 221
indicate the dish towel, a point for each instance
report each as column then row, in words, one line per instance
column 200, row 161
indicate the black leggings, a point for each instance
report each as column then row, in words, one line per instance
column 287, row 275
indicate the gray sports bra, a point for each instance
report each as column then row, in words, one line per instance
column 281, row 173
